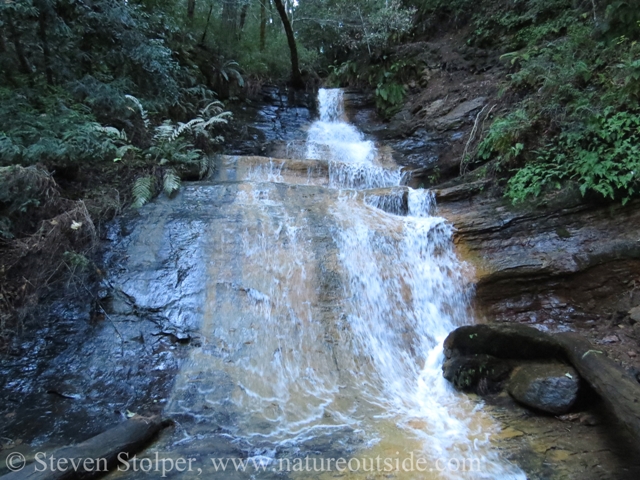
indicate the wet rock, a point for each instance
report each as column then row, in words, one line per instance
column 127, row 437
column 634, row 314
column 460, row 114
column 464, row 190
column 502, row 341
column 524, row 258
column 476, row 373
column 610, row 339
column 551, row 388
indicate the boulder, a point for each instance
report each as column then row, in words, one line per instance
column 634, row 315
column 549, row 387
column 460, row 114
column 476, row 373
column 508, row 341
column 619, row 390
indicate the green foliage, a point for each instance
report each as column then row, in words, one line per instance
column 505, row 136
column 576, row 69
column 604, row 157
column 366, row 27
column 57, row 132
column 170, row 183
column 521, row 23
column 389, row 97
column 623, row 17
column 388, row 77
column 143, row 191
column 22, row 190
column 433, row 12
column 76, row 262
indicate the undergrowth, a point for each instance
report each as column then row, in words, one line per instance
column 575, row 68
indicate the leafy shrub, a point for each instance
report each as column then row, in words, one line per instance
column 387, row 77
column 578, row 80
column 170, row 150
column 604, row 157
column 59, row 132
column 505, row 136
column 389, row 97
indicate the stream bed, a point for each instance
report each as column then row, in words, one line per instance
column 287, row 314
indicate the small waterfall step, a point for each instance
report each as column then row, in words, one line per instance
column 331, row 173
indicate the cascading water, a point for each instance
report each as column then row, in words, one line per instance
column 326, row 307
column 353, row 161
column 408, row 291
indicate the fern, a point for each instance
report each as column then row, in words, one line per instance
column 199, row 126
column 171, row 183
column 142, row 191
column 110, row 131
column 143, row 112
column 215, row 107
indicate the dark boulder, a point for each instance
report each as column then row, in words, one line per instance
column 549, row 387
column 618, row 389
column 512, row 341
column 476, row 373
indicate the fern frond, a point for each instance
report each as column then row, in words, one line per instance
column 171, row 183
column 215, row 106
column 164, row 131
column 142, row 191
column 220, row 118
column 143, row 112
column 111, row 131
column 207, row 165
column 238, row 76
column 183, row 127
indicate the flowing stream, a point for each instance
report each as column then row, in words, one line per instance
column 327, row 290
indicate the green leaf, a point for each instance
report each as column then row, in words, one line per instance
column 171, row 183
column 142, row 191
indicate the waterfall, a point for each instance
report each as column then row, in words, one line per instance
column 408, row 291
column 326, row 307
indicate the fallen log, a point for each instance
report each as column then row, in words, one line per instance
column 619, row 390
column 93, row 457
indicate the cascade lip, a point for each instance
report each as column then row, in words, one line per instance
column 306, row 172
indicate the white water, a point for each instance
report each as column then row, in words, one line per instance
column 407, row 291
column 353, row 159
column 325, row 316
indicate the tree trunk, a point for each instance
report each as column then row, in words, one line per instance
column 46, row 51
column 243, row 19
column 3, row 45
column 25, row 67
column 191, row 8
column 263, row 24
column 296, row 76
column 206, row 28
column 4, row 65
column 229, row 13
column 620, row 391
